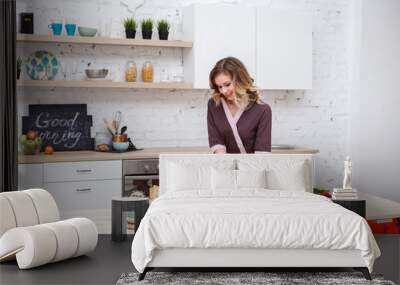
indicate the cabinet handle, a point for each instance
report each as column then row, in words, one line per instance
column 83, row 170
column 83, row 189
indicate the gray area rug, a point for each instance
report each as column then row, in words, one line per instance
column 229, row 278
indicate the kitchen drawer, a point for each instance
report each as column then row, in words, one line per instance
column 83, row 195
column 79, row 171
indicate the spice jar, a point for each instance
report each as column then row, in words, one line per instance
column 130, row 71
column 147, row 72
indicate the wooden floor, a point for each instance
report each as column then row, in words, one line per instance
column 103, row 266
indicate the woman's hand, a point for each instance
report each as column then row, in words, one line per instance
column 220, row 151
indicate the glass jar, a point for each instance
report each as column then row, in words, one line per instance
column 147, row 72
column 102, row 141
column 130, row 71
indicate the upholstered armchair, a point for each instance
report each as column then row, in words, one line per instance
column 31, row 231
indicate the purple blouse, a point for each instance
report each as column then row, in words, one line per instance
column 248, row 131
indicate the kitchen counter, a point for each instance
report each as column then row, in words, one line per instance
column 69, row 156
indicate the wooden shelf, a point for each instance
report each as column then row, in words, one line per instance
column 102, row 84
column 102, row 41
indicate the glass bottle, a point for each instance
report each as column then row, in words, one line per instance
column 177, row 26
column 130, row 71
column 147, row 72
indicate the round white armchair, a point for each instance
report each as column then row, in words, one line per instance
column 31, row 230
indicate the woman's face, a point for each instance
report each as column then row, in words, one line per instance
column 225, row 86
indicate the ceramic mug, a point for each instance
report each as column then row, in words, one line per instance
column 70, row 28
column 56, row 27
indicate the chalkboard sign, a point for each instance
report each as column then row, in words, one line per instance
column 64, row 126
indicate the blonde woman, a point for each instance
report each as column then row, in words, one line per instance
column 238, row 121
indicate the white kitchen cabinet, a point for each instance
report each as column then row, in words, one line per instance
column 217, row 31
column 30, row 176
column 283, row 49
column 85, row 189
column 275, row 45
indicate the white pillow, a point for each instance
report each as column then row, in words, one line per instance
column 251, row 178
column 282, row 174
column 288, row 178
column 187, row 177
column 223, row 179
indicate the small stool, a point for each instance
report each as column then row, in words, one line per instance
column 122, row 204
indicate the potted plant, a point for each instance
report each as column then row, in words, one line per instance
column 19, row 66
column 163, row 29
column 147, row 28
column 130, row 28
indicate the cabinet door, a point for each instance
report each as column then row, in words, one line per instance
column 30, row 176
column 217, row 31
column 89, row 199
column 284, row 49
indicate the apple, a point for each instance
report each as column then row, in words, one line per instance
column 48, row 149
column 31, row 135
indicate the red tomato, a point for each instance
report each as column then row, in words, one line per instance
column 48, row 149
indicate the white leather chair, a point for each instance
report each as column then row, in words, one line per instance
column 31, row 230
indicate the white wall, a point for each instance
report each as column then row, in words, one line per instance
column 317, row 118
column 375, row 135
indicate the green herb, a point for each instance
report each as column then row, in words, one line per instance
column 147, row 25
column 163, row 26
column 130, row 24
column 19, row 63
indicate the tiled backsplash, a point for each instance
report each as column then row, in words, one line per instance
column 316, row 118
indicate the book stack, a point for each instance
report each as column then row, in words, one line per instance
column 344, row 194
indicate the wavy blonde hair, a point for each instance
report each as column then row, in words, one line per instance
column 246, row 92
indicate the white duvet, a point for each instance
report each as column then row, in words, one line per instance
column 254, row 218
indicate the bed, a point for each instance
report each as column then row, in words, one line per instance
column 241, row 211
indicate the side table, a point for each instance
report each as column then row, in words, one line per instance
column 357, row 206
column 119, row 206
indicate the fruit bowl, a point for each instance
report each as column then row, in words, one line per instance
column 31, row 146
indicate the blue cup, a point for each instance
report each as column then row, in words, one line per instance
column 70, row 28
column 56, row 28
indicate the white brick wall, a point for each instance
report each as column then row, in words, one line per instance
column 318, row 118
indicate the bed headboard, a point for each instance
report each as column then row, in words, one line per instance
column 280, row 163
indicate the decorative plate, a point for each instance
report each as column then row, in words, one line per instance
column 42, row 65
